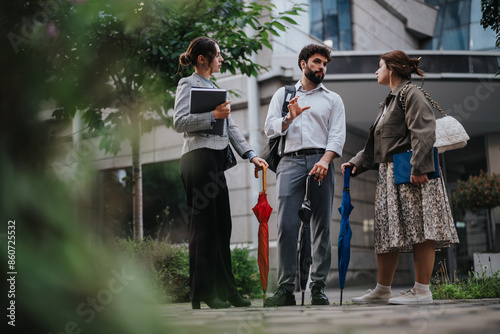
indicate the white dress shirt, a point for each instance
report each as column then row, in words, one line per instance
column 322, row 126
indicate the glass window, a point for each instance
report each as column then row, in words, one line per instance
column 481, row 39
column 475, row 11
column 435, row 2
column 345, row 25
column 456, row 14
column 437, row 63
column 163, row 201
column 331, row 22
column 316, row 18
column 458, row 27
column 455, row 39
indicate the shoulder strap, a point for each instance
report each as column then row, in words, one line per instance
column 402, row 99
column 289, row 94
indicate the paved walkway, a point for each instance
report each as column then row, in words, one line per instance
column 448, row 316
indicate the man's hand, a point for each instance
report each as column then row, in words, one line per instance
column 294, row 109
column 319, row 170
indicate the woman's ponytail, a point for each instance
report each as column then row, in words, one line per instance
column 185, row 59
column 401, row 65
column 203, row 46
column 414, row 67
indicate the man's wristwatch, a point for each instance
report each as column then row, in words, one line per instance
column 286, row 122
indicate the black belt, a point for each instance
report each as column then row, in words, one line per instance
column 308, row 151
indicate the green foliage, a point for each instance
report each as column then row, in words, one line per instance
column 168, row 266
column 246, row 272
column 118, row 60
column 491, row 18
column 165, row 263
column 478, row 192
column 226, row 21
column 475, row 286
column 67, row 281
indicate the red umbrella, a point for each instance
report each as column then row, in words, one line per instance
column 262, row 211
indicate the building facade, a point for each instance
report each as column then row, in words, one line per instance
column 460, row 62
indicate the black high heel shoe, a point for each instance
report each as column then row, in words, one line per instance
column 214, row 303
column 195, row 304
column 237, row 301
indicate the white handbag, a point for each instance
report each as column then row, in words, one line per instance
column 450, row 134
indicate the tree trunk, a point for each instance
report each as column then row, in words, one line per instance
column 491, row 230
column 137, row 183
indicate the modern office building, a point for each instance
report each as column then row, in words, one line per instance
column 460, row 63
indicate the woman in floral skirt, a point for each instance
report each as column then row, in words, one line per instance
column 411, row 217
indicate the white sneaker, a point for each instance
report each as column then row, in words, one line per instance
column 373, row 297
column 412, row 297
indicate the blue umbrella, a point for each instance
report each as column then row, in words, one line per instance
column 345, row 233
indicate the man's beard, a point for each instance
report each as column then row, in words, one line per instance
column 313, row 77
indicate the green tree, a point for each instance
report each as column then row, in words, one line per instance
column 491, row 18
column 116, row 61
column 52, row 240
column 477, row 192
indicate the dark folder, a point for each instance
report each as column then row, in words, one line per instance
column 402, row 167
column 206, row 100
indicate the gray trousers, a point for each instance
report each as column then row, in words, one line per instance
column 290, row 189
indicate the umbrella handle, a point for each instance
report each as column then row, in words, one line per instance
column 347, row 177
column 264, row 178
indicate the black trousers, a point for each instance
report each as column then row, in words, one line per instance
column 209, row 224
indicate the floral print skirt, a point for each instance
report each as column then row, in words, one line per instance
column 407, row 214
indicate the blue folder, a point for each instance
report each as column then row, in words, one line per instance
column 402, row 167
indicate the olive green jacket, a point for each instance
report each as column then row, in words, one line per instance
column 397, row 132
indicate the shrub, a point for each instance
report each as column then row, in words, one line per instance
column 475, row 286
column 246, row 272
column 167, row 265
column 478, row 192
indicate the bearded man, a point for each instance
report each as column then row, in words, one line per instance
column 314, row 132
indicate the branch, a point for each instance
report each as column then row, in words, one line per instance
column 194, row 13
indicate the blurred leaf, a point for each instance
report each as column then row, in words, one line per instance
column 289, row 20
column 279, row 26
column 274, row 32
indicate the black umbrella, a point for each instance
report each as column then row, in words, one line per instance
column 304, row 251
